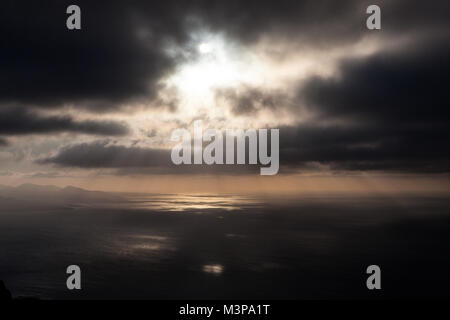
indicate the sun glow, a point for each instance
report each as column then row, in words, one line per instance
column 213, row 62
column 213, row 68
column 205, row 47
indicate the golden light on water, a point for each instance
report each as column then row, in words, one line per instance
column 193, row 202
column 215, row 269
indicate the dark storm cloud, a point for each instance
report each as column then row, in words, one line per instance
column 99, row 154
column 119, row 54
column 99, row 67
column 365, row 148
column 394, row 110
column 321, row 24
column 402, row 87
column 132, row 160
column 19, row 121
column 319, row 20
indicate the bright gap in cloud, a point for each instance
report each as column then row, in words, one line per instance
column 213, row 67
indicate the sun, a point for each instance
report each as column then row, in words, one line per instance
column 213, row 68
column 205, row 48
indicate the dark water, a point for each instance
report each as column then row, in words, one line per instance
column 207, row 247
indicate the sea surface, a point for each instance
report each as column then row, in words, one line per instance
column 200, row 246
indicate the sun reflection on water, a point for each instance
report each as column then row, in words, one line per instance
column 188, row 202
column 213, row 268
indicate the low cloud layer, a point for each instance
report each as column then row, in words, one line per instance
column 19, row 121
column 133, row 160
column 101, row 155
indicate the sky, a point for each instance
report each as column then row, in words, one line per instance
column 358, row 110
